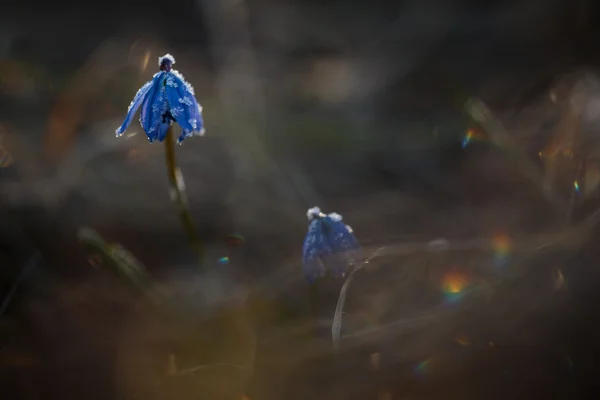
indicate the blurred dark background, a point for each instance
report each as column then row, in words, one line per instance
column 357, row 107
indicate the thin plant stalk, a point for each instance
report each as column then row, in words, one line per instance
column 178, row 194
column 336, row 326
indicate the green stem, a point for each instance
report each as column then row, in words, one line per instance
column 178, row 195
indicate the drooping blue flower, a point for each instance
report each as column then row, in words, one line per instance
column 330, row 245
column 167, row 98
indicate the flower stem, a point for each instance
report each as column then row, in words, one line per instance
column 178, row 194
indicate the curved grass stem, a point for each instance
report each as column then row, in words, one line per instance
column 178, row 194
column 336, row 326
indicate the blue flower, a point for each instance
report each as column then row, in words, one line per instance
column 167, row 98
column 330, row 245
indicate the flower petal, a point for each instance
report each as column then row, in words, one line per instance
column 133, row 107
column 184, row 106
column 154, row 106
column 345, row 247
column 315, row 249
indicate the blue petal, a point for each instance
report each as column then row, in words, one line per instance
column 315, row 249
column 161, row 131
column 153, row 107
column 345, row 247
column 133, row 107
column 183, row 104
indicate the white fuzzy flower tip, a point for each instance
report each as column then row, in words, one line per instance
column 335, row 217
column 312, row 212
column 166, row 57
column 119, row 132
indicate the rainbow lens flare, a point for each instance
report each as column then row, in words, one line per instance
column 501, row 246
column 467, row 139
column 470, row 136
column 423, row 367
column 453, row 287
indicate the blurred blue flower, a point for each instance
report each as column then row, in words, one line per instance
column 330, row 245
column 167, row 98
